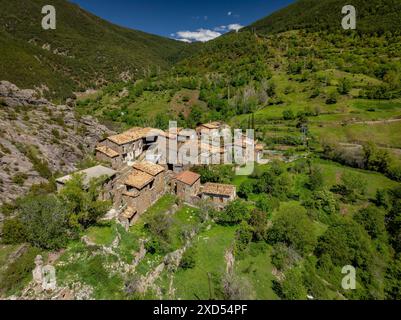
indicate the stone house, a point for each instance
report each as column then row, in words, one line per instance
column 186, row 185
column 129, row 145
column 143, row 186
column 108, row 175
column 186, row 135
column 106, row 154
column 219, row 194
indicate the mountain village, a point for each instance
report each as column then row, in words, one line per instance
column 144, row 164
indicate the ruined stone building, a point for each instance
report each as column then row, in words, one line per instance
column 143, row 186
column 186, row 185
column 126, row 147
column 107, row 176
column 219, row 194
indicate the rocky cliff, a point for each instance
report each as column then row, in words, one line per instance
column 39, row 139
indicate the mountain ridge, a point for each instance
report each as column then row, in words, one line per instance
column 84, row 51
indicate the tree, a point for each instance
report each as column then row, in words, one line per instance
column 393, row 219
column 293, row 228
column 234, row 213
column 246, row 189
column 372, row 219
column 316, row 181
column 344, row 86
column 45, row 220
column 376, row 159
column 188, row 260
column 325, row 201
column 267, row 204
column 347, row 243
column 82, row 202
column 393, row 280
column 352, row 187
column 159, row 225
column 259, row 224
column 293, row 288
column 332, row 98
column 288, row 115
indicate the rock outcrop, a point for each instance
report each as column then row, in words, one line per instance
column 38, row 138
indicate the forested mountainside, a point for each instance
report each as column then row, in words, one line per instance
column 83, row 52
column 376, row 16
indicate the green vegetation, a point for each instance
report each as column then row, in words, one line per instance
column 49, row 221
column 85, row 52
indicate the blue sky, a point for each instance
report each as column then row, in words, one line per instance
column 190, row 20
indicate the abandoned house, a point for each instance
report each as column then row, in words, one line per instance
column 98, row 172
column 129, row 145
column 219, row 194
column 186, row 185
column 106, row 154
column 144, row 186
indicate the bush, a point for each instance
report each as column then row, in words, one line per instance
column 293, row 228
column 188, row 260
column 344, row 86
column 246, row 189
column 20, row 178
column 332, row 98
column 13, row 232
column 45, row 221
column 234, row 213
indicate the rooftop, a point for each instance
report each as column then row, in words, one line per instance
column 132, row 135
column 149, row 168
column 187, row 177
column 138, row 180
column 129, row 213
column 211, row 125
column 219, row 189
column 108, row 151
column 89, row 174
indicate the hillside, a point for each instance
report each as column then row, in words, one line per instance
column 83, row 52
column 39, row 140
column 373, row 16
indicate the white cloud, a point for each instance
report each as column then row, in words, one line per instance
column 229, row 13
column 204, row 35
column 201, row 35
column 234, row 26
column 221, row 29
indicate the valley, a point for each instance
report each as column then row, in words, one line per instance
column 325, row 105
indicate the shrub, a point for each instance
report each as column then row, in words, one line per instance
column 234, row 213
column 20, row 179
column 188, row 260
column 13, row 232
column 332, row 98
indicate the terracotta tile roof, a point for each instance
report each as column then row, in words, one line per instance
column 131, row 135
column 168, row 135
column 108, row 151
column 210, row 126
column 187, row 177
column 138, row 179
column 129, row 213
column 219, row 189
column 149, row 168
